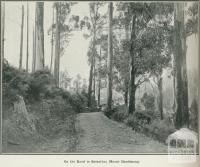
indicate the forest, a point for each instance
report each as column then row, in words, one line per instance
column 137, row 79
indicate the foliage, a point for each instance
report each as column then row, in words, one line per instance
column 120, row 113
column 39, row 86
column 138, row 120
column 142, row 121
column 102, row 52
column 95, row 22
column 121, row 64
column 159, row 129
column 77, row 84
column 153, row 50
column 134, row 123
column 53, row 92
column 79, row 102
column 150, row 42
column 65, row 80
column 148, row 101
column 19, row 82
column 60, row 107
column 63, row 10
column 15, row 82
column 40, row 83
column 192, row 22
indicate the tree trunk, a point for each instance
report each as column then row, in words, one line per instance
column 99, row 82
column 21, row 41
column 22, row 117
column 91, row 70
column 52, row 43
column 94, row 79
column 160, row 103
column 2, row 29
column 132, row 86
column 174, row 86
column 39, row 65
column 2, row 53
column 34, row 56
column 57, row 47
column 126, row 91
column 90, row 84
column 110, row 58
column 182, row 114
column 34, row 46
column 27, row 41
column 185, row 83
column 126, row 79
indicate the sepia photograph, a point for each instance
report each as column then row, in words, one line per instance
column 97, row 77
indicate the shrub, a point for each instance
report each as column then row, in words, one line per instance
column 19, row 82
column 38, row 86
column 41, row 82
column 148, row 101
column 15, row 82
column 120, row 116
column 52, row 91
column 79, row 102
column 120, row 113
column 159, row 129
column 138, row 120
column 60, row 107
column 132, row 122
column 107, row 113
column 56, row 112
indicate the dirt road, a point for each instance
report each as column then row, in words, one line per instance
column 98, row 134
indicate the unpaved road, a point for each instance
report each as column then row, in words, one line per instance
column 98, row 134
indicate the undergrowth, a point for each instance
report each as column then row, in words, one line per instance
column 52, row 109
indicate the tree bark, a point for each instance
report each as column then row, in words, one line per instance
column 39, row 65
column 174, row 86
column 94, row 79
column 52, row 43
column 27, row 41
column 21, row 41
column 34, row 53
column 182, row 114
column 91, row 70
column 185, row 83
column 57, row 47
column 90, row 84
column 132, row 86
column 2, row 52
column 160, row 103
column 126, row 91
column 34, row 46
column 110, row 59
column 99, row 82
column 126, row 80
column 2, row 29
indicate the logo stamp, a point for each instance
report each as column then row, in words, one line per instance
column 182, row 146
